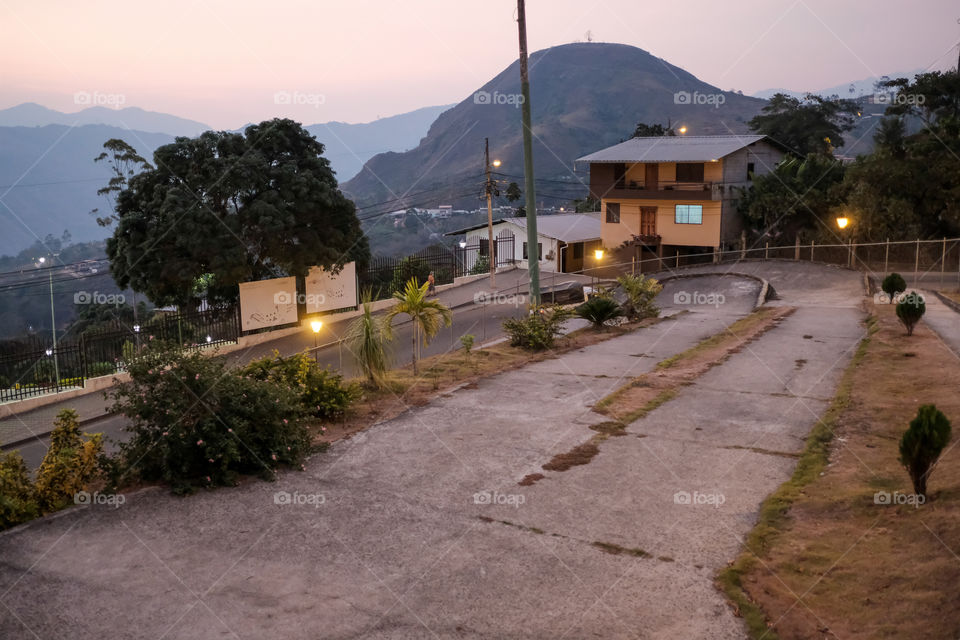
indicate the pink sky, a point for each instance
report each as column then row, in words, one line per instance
column 223, row 62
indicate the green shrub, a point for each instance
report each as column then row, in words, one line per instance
column 639, row 293
column 196, row 423
column 538, row 330
column 18, row 501
column 922, row 443
column 910, row 309
column 367, row 341
column 893, row 284
column 599, row 310
column 482, row 265
column 466, row 341
column 69, row 465
column 97, row 369
column 410, row 267
column 321, row 391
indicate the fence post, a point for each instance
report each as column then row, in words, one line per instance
column 811, row 250
column 853, row 254
column 678, row 260
column 766, row 251
column 743, row 245
column 943, row 260
column 886, row 259
column 916, row 265
column 796, row 250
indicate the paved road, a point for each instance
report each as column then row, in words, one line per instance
column 944, row 321
column 417, row 527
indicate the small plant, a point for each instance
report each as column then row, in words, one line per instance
column 194, row 422
column 640, row 292
column 322, row 392
column 922, row 443
column 427, row 315
column 599, row 310
column 97, row 369
column 539, row 330
column 367, row 341
column 482, row 265
column 18, row 501
column 69, row 465
column 910, row 309
column 893, row 284
column 466, row 341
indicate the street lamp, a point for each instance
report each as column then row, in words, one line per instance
column 843, row 222
column 316, row 325
column 489, row 188
column 598, row 256
column 53, row 319
column 682, row 130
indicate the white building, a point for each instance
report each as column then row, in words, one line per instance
column 566, row 242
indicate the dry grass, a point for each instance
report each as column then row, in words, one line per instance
column 829, row 561
column 580, row 454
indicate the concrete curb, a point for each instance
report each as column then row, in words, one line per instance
column 766, row 290
column 951, row 304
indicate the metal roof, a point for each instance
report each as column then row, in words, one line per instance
column 565, row 227
column 672, row 149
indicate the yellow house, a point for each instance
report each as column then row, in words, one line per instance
column 676, row 195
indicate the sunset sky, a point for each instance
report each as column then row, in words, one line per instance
column 223, row 62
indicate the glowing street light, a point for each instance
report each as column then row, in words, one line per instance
column 316, row 325
column 598, row 254
column 682, row 130
column 843, row 222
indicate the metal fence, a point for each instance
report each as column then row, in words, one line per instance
column 383, row 276
column 32, row 366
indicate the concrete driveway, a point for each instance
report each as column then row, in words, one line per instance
column 417, row 527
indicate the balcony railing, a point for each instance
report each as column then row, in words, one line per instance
column 665, row 185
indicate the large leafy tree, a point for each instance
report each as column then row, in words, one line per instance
column 225, row 208
column 644, row 130
column 809, row 125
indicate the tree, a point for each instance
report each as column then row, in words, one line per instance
column 232, row 208
column 124, row 162
column 910, row 309
column 644, row 130
column 427, row 315
column 639, row 296
column 367, row 341
column 513, row 192
column 893, row 284
column 811, row 125
column 587, row 205
column 922, row 443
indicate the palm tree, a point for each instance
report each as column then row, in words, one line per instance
column 367, row 341
column 427, row 315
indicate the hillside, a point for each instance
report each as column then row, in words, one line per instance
column 30, row 114
column 584, row 96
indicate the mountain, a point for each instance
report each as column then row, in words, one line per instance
column 349, row 146
column 585, row 96
column 30, row 114
column 49, row 182
column 852, row 90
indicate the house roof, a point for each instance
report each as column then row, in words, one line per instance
column 565, row 227
column 672, row 149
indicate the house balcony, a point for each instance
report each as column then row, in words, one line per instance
column 662, row 190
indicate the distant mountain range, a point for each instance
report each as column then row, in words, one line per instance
column 851, row 90
column 585, row 96
column 30, row 114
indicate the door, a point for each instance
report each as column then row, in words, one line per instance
column 648, row 221
column 651, row 176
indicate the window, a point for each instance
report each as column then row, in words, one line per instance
column 613, row 212
column 539, row 251
column 689, row 214
column 690, row 172
column 750, row 166
column 578, row 251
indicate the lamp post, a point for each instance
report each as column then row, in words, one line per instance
column 489, row 187
column 53, row 320
column 316, row 325
column 842, row 222
column 598, row 256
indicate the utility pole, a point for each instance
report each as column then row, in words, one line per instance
column 533, row 263
column 491, row 251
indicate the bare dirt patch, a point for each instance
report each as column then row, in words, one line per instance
column 826, row 560
column 580, row 454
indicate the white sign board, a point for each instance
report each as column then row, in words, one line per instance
column 268, row 303
column 326, row 291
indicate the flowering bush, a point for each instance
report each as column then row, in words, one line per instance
column 322, row 392
column 197, row 423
